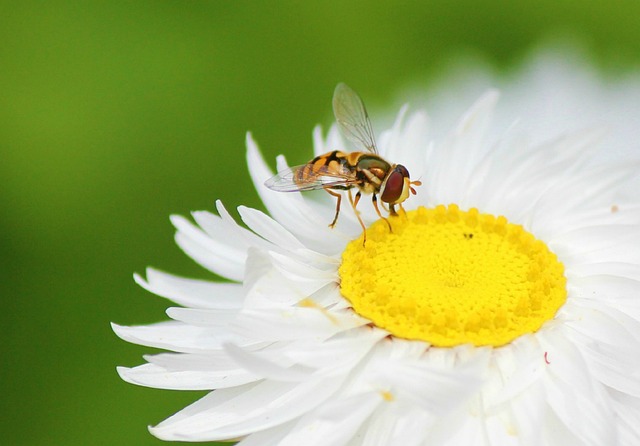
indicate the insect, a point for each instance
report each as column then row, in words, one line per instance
column 339, row 171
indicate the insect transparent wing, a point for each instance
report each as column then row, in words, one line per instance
column 352, row 117
column 304, row 178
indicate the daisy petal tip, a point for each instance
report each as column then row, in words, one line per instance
column 173, row 312
column 159, row 433
column 167, row 433
column 137, row 278
column 177, row 220
column 119, row 330
column 281, row 162
column 402, row 113
column 492, row 94
column 123, row 372
column 487, row 101
column 252, row 146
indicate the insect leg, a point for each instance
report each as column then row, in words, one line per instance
column 392, row 210
column 358, row 196
column 374, row 199
column 354, row 203
column 339, row 197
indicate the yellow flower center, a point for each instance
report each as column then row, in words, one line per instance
column 451, row 277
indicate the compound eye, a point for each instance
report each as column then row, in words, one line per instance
column 403, row 170
column 394, row 186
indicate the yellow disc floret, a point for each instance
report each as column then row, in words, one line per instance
column 452, row 277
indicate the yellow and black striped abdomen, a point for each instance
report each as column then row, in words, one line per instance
column 334, row 164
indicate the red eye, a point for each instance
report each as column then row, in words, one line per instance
column 403, row 170
column 394, row 185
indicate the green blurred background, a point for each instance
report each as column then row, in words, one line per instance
column 113, row 115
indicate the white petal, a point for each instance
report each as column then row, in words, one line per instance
column 219, row 228
column 272, row 290
column 203, row 317
column 267, row 437
column 152, row 375
column 295, row 323
column 178, row 337
column 615, row 269
column 394, row 423
column 598, row 244
column 232, row 413
column 192, row 293
column 390, row 141
column 610, row 349
column 557, row 209
column 555, row 431
column 528, row 411
column 515, row 369
column 215, row 255
column 318, row 141
column 290, row 209
column 436, row 389
column 621, row 290
column 209, row 401
column 285, row 243
column 269, row 229
column 415, row 147
column 336, row 142
column 258, row 264
column 576, row 398
column 298, row 271
column 213, row 360
column 343, row 350
column 251, row 361
column 249, row 239
column 333, row 423
column 450, row 168
column 627, row 408
column 460, row 428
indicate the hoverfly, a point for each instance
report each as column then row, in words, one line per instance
column 338, row 171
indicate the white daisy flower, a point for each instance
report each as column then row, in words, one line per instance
column 502, row 308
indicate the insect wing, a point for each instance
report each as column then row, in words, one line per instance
column 352, row 117
column 305, row 178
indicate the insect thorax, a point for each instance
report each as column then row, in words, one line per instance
column 374, row 164
column 371, row 170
